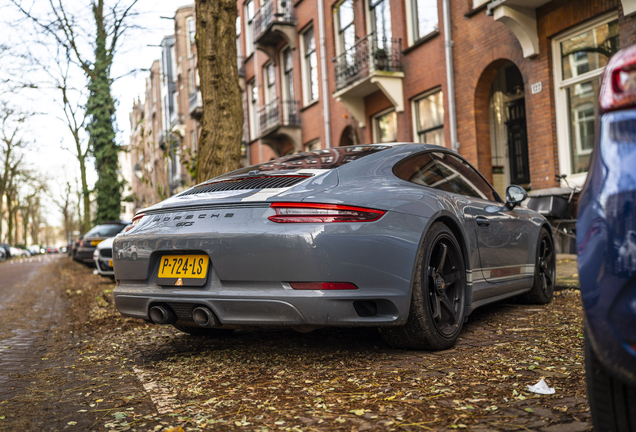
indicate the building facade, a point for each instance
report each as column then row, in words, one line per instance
column 510, row 84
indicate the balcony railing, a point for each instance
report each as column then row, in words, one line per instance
column 272, row 12
column 368, row 54
column 279, row 113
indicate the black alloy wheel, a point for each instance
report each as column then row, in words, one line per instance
column 544, row 271
column 446, row 295
column 438, row 300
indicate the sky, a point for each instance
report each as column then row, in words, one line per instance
column 47, row 133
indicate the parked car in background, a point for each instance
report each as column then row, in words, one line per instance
column 75, row 247
column 407, row 238
column 51, row 249
column 103, row 257
column 36, row 249
column 94, row 237
column 7, row 249
column 3, row 255
column 19, row 252
column 605, row 241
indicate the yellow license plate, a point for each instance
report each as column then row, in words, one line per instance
column 96, row 242
column 110, row 263
column 183, row 266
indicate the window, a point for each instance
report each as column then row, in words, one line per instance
column 385, row 127
column 191, row 29
column 429, row 118
column 249, row 28
column 346, row 28
column 579, row 58
column 463, row 178
column 191, row 82
column 381, row 21
column 288, row 75
column 239, row 51
column 310, row 67
column 253, row 110
column 424, row 18
column 270, row 81
column 312, row 145
column 422, row 170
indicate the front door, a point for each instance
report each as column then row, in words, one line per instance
column 518, row 142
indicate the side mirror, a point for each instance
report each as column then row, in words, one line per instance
column 515, row 195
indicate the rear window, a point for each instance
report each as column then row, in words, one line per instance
column 319, row 159
column 106, row 230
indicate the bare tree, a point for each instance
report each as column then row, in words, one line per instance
column 11, row 143
column 65, row 204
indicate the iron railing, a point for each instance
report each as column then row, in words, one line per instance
column 272, row 12
column 368, row 54
column 279, row 113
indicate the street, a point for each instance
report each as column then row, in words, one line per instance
column 69, row 361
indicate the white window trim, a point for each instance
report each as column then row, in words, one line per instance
column 281, row 70
column 375, row 117
column 410, row 24
column 336, row 26
column 303, row 68
column 249, row 33
column 563, row 142
column 416, row 136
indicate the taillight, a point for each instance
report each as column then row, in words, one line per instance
column 618, row 88
column 81, row 245
column 322, row 286
column 322, row 213
column 135, row 221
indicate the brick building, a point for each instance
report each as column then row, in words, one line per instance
column 510, row 84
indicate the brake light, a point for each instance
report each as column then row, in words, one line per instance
column 322, row 213
column 322, row 286
column 135, row 221
column 618, row 88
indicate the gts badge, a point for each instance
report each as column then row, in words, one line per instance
column 182, row 224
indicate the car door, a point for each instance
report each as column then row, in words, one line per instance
column 503, row 235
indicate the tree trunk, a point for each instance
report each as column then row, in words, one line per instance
column 222, row 122
column 101, row 109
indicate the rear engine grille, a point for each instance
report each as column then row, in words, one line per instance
column 261, row 182
column 106, row 253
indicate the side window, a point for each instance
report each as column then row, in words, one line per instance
column 463, row 178
column 422, row 170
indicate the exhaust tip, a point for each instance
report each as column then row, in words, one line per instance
column 204, row 317
column 160, row 314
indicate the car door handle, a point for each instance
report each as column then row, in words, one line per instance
column 482, row 221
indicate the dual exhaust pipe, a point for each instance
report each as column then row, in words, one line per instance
column 202, row 315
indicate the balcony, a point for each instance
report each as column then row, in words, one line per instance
column 372, row 64
column 274, row 21
column 196, row 105
column 280, row 119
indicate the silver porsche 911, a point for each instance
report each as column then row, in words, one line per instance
column 407, row 238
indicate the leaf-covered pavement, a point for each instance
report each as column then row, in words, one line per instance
column 135, row 376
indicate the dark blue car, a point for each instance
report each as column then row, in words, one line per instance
column 606, row 240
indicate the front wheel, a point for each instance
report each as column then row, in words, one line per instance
column 612, row 402
column 438, row 296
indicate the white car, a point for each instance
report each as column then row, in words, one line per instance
column 103, row 257
column 17, row 252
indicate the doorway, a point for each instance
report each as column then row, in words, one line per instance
column 508, row 133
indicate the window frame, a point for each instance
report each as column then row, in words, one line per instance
column 561, row 106
column 415, row 114
column 190, row 35
column 374, row 124
column 338, row 30
column 249, row 27
column 252, row 104
column 305, row 71
column 412, row 23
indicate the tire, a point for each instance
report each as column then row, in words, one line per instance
column 438, row 298
column 203, row 332
column 612, row 402
column 134, row 256
column 542, row 289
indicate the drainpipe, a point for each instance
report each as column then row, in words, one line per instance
column 323, row 73
column 450, row 81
